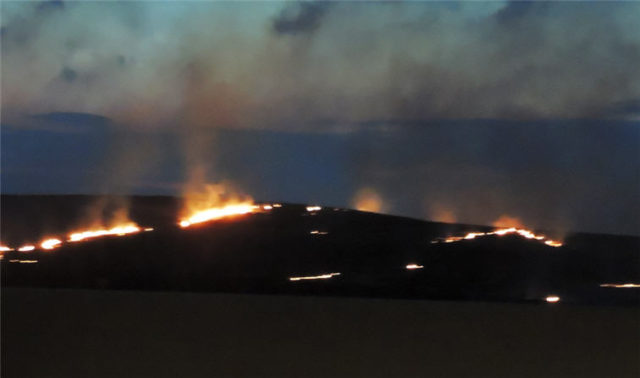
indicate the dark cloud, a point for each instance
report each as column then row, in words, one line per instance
column 68, row 75
column 520, row 60
column 624, row 109
column 515, row 11
column 49, row 6
column 300, row 18
column 73, row 118
column 17, row 33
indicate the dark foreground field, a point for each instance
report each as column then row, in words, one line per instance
column 95, row 333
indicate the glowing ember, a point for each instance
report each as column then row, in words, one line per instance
column 148, row 229
column 267, row 207
column 26, row 248
column 622, row 286
column 320, row 277
column 552, row 299
column 115, row 231
column 218, row 213
column 50, row 243
column 414, row 266
column 276, row 205
column 5, row 248
column 505, row 231
column 24, row 261
column 313, row 208
column 317, row 232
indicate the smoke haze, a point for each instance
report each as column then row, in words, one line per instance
column 453, row 111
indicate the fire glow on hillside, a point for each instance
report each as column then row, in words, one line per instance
column 209, row 202
column 120, row 230
column 216, row 213
column 50, row 243
column 527, row 234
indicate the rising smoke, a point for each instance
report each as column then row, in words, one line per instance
column 195, row 68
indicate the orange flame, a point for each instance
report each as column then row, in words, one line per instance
column 50, row 243
column 210, row 202
column 115, row 231
column 505, row 231
column 218, row 213
column 26, row 248
column 4, row 248
column 414, row 266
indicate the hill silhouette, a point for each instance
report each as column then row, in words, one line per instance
column 262, row 252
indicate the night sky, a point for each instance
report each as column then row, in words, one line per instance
column 447, row 111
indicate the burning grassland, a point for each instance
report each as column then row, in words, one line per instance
column 527, row 234
column 118, row 223
column 506, row 225
column 50, row 243
column 215, row 213
column 121, row 230
column 228, row 210
column 216, row 201
column 105, row 222
column 107, row 217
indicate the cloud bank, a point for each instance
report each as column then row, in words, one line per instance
column 314, row 65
